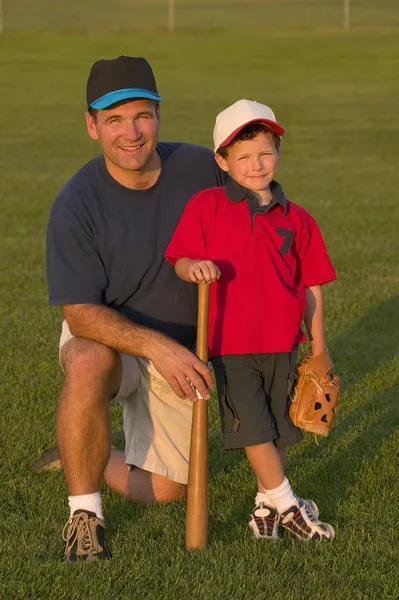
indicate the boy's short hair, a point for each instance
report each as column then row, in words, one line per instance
column 248, row 133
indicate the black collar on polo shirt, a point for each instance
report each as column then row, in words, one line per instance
column 236, row 192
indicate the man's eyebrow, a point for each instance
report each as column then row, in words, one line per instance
column 119, row 116
column 113, row 116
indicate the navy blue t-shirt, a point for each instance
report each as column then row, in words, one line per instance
column 106, row 243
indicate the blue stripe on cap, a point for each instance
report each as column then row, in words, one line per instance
column 119, row 95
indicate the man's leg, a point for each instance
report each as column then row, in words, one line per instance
column 92, row 377
column 139, row 485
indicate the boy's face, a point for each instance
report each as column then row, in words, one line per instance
column 252, row 163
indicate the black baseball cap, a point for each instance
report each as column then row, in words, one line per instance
column 121, row 78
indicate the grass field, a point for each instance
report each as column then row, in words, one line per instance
column 122, row 15
column 337, row 97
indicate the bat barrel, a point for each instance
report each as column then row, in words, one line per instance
column 197, row 491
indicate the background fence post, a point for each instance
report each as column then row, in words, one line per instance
column 171, row 16
column 347, row 14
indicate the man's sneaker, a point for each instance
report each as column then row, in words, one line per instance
column 264, row 522
column 84, row 535
column 48, row 461
column 302, row 521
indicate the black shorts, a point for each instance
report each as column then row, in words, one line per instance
column 253, row 391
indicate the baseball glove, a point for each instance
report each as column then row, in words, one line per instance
column 315, row 395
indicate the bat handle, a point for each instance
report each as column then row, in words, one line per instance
column 202, row 321
column 197, row 490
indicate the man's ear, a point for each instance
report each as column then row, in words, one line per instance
column 91, row 126
column 222, row 163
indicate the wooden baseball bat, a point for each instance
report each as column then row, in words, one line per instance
column 197, row 491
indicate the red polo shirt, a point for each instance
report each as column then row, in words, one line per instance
column 267, row 256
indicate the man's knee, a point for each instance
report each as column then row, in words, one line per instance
column 170, row 492
column 150, row 488
column 86, row 360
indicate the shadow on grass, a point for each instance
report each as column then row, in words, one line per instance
column 360, row 428
column 357, row 439
column 371, row 342
column 358, row 433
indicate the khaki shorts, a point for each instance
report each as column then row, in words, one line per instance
column 156, row 422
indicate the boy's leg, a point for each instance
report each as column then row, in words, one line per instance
column 282, row 451
column 248, row 421
column 274, row 491
column 298, row 516
column 266, row 464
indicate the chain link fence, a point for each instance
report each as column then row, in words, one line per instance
column 147, row 15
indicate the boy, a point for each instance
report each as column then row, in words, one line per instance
column 268, row 260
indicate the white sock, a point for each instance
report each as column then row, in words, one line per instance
column 90, row 502
column 262, row 497
column 282, row 497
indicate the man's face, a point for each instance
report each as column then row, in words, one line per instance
column 252, row 163
column 127, row 134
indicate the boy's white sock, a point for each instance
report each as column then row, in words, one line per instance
column 90, row 502
column 262, row 497
column 282, row 497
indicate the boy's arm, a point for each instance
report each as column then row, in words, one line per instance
column 197, row 271
column 314, row 319
column 182, row 266
column 189, row 240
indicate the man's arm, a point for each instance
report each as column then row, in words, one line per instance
column 314, row 319
column 174, row 362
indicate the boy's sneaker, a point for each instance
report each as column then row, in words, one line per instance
column 84, row 535
column 302, row 520
column 264, row 522
column 311, row 508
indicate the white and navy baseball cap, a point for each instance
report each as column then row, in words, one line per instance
column 234, row 118
column 122, row 78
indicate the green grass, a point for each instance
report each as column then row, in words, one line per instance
column 337, row 97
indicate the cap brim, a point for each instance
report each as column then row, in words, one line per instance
column 272, row 124
column 119, row 95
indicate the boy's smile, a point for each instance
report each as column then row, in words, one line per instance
column 252, row 163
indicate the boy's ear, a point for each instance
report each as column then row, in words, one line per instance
column 222, row 163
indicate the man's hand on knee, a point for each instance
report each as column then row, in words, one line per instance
column 179, row 367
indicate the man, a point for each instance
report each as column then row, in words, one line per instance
column 129, row 321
